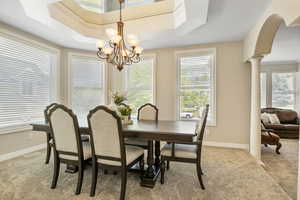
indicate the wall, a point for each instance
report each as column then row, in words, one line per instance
column 233, row 91
column 298, row 90
column 13, row 142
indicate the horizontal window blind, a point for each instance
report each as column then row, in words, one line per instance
column 87, row 85
column 139, row 83
column 25, row 82
column 196, row 86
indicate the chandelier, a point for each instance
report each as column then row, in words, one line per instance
column 116, row 51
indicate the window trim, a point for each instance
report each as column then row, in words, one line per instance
column 269, row 68
column 55, row 88
column 70, row 73
column 154, row 75
column 192, row 52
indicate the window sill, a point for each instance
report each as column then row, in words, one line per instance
column 15, row 128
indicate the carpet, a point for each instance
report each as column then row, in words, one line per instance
column 230, row 174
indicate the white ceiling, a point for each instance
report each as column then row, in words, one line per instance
column 228, row 20
column 286, row 46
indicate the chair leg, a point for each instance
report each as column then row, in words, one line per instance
column 168, row 165
column 279, row 145
column 163, row 169
column 80, row 178
column 142, row 166
column 56, row 172
column 94, row 178
column 200, row 176
column 48, row 153
column 124, row 182
column 105, row 171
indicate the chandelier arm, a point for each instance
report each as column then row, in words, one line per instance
column 101, row 55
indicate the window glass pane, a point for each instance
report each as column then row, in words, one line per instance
column 131, row 3
column 196, row 86
column 263, row 85
column 139, row 82
column 92, row 5
column 25, row 82
column 283, row 90
column 88, row 90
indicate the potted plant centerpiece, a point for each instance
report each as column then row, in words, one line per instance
column 125, row 112
column 116, row 104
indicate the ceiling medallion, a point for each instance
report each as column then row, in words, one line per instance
column 117, row 53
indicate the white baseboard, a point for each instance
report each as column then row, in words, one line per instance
column 227, row 145
column 15, row 154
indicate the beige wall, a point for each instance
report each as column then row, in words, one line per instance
column 233, row 93
column 233, row 90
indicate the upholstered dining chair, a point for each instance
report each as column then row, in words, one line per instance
column 48, row 134
column 109, row 151
column 68, row 147
column 188, row 152
column 147, row 111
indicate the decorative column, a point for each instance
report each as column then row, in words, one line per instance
column 255, row 125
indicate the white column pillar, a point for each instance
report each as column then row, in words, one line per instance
column 255, row 126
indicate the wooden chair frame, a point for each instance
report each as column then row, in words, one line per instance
column 48, row 134
column 80, row 163
column 197, row 161
column 123, row 168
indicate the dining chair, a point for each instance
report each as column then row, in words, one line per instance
column 147, row 111
column 109, row 151
column 48, row 134
column 68, row 147
column 187, row 152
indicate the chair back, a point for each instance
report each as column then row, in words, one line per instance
column 107, row 140
column 201, row 124
column 148, row 112
column 47, row 110
column 65, row 131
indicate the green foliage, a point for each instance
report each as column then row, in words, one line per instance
column 125, row 110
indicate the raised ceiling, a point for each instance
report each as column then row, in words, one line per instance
column 227, row 20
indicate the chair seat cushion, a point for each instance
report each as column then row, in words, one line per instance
column 181, row 151
column 132, row 153
column 136, row 142
column 87, row 152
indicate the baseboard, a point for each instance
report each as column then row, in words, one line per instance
column 227, row 145
column 15, row 154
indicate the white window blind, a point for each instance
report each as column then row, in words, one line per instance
column 139, row 83
column 87, row 85
column 196, row 85
column 25, row 82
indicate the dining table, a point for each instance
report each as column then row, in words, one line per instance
column 152, row 131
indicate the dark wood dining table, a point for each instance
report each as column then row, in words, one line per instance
column 169, row 131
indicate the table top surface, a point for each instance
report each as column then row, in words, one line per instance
column 143, row 128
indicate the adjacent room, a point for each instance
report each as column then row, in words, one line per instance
column 149, row 99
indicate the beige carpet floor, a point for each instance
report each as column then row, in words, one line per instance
column 284, row 167
column 229, row 175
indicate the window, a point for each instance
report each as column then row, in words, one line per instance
column 263, row 85
column 27, row 76
column 88, row 89
column 92, row 5
column 196, row 85
column 131, row 3
column 283, row 90
column 139, row 83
